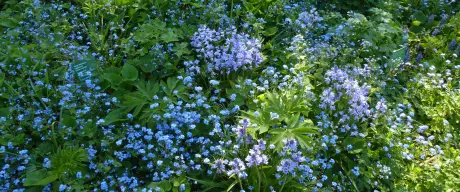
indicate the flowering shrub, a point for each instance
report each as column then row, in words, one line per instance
column 251, row 95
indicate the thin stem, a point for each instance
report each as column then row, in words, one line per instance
column 14, row 90
column 284, row 182
column 231, row 12
column 54, row 134
column 258, row 178
column 239, row 181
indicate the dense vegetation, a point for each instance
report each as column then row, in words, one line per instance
column 229, row 95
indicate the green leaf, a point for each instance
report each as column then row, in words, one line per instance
column 304, row 141
column 419, row 16
column 10, row 23
column 212, row 184
column 357, row 144
column 114, row 79
column 37, row 177
column 305, row 130
column 416, row 23
column 68, row 121
column 293, row 121
column 416, row 29
column 163, row 185
column 263, row 129
column 89, row 129
column 129, row 72
column 270, row 31
column 169, row 36
column 115, row 116
column 232, row 185
column 280, row 134
column 4, row 112
column 181, row 49
column 148, row 31
column 2, row 78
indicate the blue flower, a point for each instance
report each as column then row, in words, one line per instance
column 62, row 187
column 46, row 163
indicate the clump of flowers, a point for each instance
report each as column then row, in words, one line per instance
column 238, row 50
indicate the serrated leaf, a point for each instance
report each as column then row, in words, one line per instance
column 169, row 36
column 181, row 49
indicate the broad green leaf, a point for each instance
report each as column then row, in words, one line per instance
column 38, row 177
column 263, row 129
column 270, row 31
column 416, row 29
column 114, row 79
column 129, row 72
column 419, row 16
column 163, row 185
column 10, row 23
column 357, row 144
column 115, row 116
column 68, row 121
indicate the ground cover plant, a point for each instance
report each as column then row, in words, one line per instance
column 237, row 95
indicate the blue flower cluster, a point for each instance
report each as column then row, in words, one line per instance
column 238, row 50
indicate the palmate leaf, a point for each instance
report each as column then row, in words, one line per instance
column 149, row 31
column 181, row 49
column 134, row 101
column 300, row 134
column 169, row 36
column 148, row 89
column 64, row 161
column 293, row 121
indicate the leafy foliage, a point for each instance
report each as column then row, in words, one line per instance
column 241, row 95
